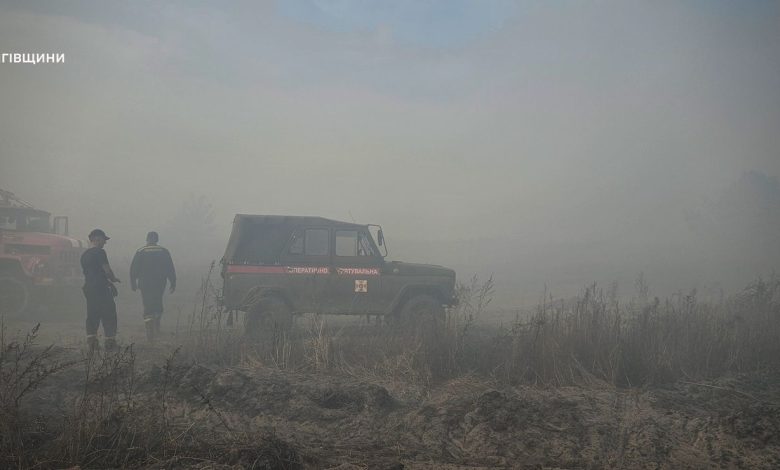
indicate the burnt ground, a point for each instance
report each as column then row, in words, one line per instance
column 348, row 420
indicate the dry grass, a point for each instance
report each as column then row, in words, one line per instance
column 115, row 422
column 124, row 418
column 595, row 336
column 643, row 342
column 23, row 368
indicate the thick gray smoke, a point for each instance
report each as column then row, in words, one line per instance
column 554, row 144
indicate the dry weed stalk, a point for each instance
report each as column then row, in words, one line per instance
column 207, row 338
column 319, row 346
column 594, row 337
column 23, row 368
column 644, row 341
column 98, row 432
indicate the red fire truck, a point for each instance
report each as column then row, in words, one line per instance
column 39, row 262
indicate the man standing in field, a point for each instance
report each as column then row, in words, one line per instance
column 99, row 291
column 151, row 269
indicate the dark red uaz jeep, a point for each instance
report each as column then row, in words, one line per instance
column 278, row 266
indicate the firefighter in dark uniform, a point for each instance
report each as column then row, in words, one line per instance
column 99, row 291
column 151, row 269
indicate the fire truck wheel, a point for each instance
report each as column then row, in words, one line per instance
column 14, row 295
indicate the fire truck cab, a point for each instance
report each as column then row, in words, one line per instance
column 38, row 260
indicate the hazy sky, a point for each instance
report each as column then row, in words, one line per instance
column 543, row 122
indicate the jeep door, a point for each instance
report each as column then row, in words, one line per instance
column 306, row 261
column 356, row 276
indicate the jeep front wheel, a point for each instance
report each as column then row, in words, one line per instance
column 422, row 313
column 14, row 295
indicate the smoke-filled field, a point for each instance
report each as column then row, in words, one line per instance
column 594, row 381
column 568, row 212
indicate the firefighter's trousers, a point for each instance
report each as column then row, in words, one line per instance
column 152, row 295
column 100, row 309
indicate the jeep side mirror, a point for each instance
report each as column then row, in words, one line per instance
column 380, row 237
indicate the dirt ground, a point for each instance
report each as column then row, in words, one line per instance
column 348, row 421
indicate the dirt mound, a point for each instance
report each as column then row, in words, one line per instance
column 258, row 391
column 268, row 453
column 268, row 418
column 468, row 423
column 510, row 426
column 757, row 425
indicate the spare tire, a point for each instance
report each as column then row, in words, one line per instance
column 14, row 295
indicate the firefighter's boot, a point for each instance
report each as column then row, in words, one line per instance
column 110, row 344
column 149, row 325
column 92, row 343
column 156, row 323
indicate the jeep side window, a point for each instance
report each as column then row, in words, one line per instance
column 352, row 243
column 296, row 246
column 312, row 242
column 346, row 243
column 316, row 242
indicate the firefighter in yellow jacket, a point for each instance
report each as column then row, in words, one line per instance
column 151, row 269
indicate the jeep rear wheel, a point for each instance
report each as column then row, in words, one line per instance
column 270, row 314
column 422, row 313
column 14, row 295
column 253, row 324
column 279, row 314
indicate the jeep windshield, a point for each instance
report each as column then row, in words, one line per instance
column 24, row 220
column 379, row 238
